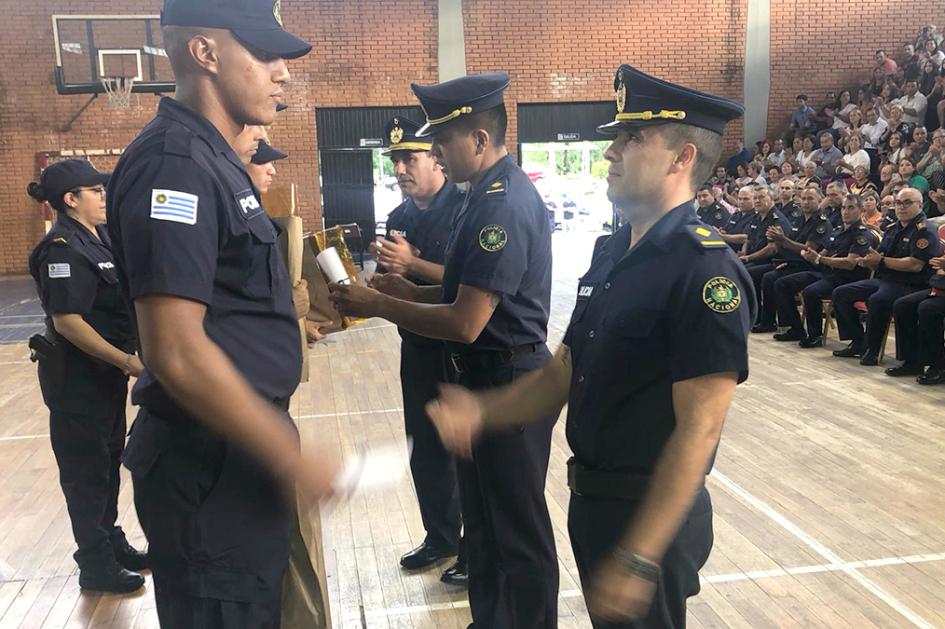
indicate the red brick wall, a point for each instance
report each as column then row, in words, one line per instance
column 816, row 51
column 559, row 50
column 367, row 52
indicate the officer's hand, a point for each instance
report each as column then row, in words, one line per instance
column 355, row 301
column 809, row 255
column 744, row 259
column 937, row 263
column 134, row 366
column 313, row 330
column 396, row 286
column 775, row 233
column 397, row 255
column 870, row 260
column 457, row 416
column 617, row 595
column 314, row 474
column 300, row 299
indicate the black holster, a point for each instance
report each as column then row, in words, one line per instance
column 50, row 353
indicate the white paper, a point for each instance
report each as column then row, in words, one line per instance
column 376, row 468
column 330, row 263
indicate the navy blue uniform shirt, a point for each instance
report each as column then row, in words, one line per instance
column 792, row 211
column 428, row 230
column 676, row 306
column 917, row 239
column 186, row 221
column 501, row 242
column 816, row 229
column 714, row 215
column 758, row 229
column 855, row 239
column 75, row 273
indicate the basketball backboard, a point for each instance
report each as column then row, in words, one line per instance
column 90, row 48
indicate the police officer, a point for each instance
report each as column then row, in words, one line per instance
column 901, row 265
column 812, row 232
column 709, row 210
column 832, row 204
column 787, row 204
column 649, row 364
column 422, row 224
column 759, row 250
column 735, row 232
column 85, row 358
column 833, row 266
column 919, row 321
column 212, row 448
column 492, row 310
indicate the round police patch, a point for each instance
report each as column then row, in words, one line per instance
column 721, row 295
column 718, row 216
column 921, row 243
column 821, row 230
column 493, row 238
column 861, row 240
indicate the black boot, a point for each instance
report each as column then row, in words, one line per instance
column 932, row 375
column 456, row 574
column 109, row 577
column 764, row 328
column 812, row 341
column 870, row 358
column 850, row 351
column 905, row 369
column 127, row 556
column 424, row 556
column 794, row 334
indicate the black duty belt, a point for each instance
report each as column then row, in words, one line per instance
column 600, row 484
column 485, row 360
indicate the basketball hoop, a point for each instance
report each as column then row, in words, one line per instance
column 119, row 90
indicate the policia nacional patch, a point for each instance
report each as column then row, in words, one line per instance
column 721, row 295
column 493, row 238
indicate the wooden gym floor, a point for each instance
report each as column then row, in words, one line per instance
column 829, row 494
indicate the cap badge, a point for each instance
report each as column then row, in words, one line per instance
column 277, row 12
column 621, row 94
column 396, row 135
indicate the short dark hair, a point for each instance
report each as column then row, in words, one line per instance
column 856, row 198
column 494, row 120
column 708, row 146
column 704, row 188
column 801, row 97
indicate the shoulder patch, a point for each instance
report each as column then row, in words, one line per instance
column 174, row 206
column 821, row 229
column 721, row 295
column 493, row 238
column 60, row 271
column 861, row 240
column 706, row 238
column 922, row 243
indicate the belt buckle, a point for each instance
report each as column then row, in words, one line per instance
column 457, row 361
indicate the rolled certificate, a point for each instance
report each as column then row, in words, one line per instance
column 331, row 265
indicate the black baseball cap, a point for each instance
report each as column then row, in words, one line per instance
column 257, row 24
column 69, row 174
column 267, row 153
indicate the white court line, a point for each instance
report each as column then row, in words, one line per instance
column 346, row 413
column 23, row 437
column 33, row 316
column 717, row 578
column 823, row 551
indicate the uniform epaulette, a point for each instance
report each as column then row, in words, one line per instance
column 499, row 187
column 921, row 225
column 706, row 238
column 177, row 142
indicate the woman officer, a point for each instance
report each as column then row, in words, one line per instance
column 85, row 359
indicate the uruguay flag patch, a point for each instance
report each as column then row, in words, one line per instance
column 174, row 206
column 60, row 271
